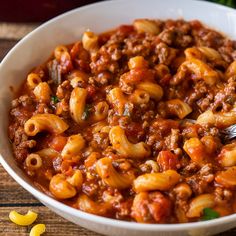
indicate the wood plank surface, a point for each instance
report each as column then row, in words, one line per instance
column 14, row 197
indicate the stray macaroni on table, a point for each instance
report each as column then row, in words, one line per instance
column 26, row 220
column 23, row 220
column 103, row 125
column 37, row 230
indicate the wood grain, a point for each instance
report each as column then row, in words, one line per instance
column 8, row 196
column 5, row 45
column 14, row 197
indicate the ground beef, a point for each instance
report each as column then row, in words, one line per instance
column 226, row 97
column 202, row 180
column 222, row 195
column 100, row 141
column 165, row 54
column 175, row 37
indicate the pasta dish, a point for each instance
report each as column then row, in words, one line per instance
column 126, row 124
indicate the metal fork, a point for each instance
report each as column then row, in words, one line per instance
column 226, row 134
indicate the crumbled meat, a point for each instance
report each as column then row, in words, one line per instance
column 222, row 196
column 64, row 90
column 202, row 180
column 172, row 141
column 100, row 141
column 90, row 188
column 165, row 53
column 124, row 209
column 175, row 37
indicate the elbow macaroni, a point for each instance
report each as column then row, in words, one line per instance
column 37, row 230
column 227, row 178
column 156, row 181
column 219, row 119
column 201, row 70
column 23, row 220
column 193, row 53
column 196, row 150
column 227, row 156
column 146, row 26
column 201, row 53
column 140, row 97
column 137, row 62
column 118, row 100
column 154, row 90
column 33, row 80
column 199, row 203
column 231, row 70
column 178, row 108
column 101, row 111
column 47, row 153
column 33, row 161
column 73, row 147
column 90, row 41
column 59, row 51
column 77, row 76
column 45, row 122
column 125, row 148
column 210, row 53
column 42, row 92
column 86, row 204
column 77, row 104
column 76, row 179
column 110, row 176
column 61, row 188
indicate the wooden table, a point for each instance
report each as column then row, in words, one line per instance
column 12, row 195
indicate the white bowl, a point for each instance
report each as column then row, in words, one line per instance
column 36, row 48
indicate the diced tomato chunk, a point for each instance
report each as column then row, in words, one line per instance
column 196, row 24
column 153, row 207
column 167, row 161
column 58, row 142
column 125, row 29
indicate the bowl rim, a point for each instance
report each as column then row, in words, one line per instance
column 91, row 217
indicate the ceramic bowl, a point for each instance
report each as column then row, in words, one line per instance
column 36, row 47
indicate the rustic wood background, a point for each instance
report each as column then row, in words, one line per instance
column 12, row 195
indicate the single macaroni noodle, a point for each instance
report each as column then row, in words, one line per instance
column 111, row 177
column 73, row 147
column 23, row 220
column 199, row 203
column 122, row 145
column 156, row 181
column 45, row 122
column 37, row 230
column 77, row 104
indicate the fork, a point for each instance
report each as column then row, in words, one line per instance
column 229, row 132
column 226, row 134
